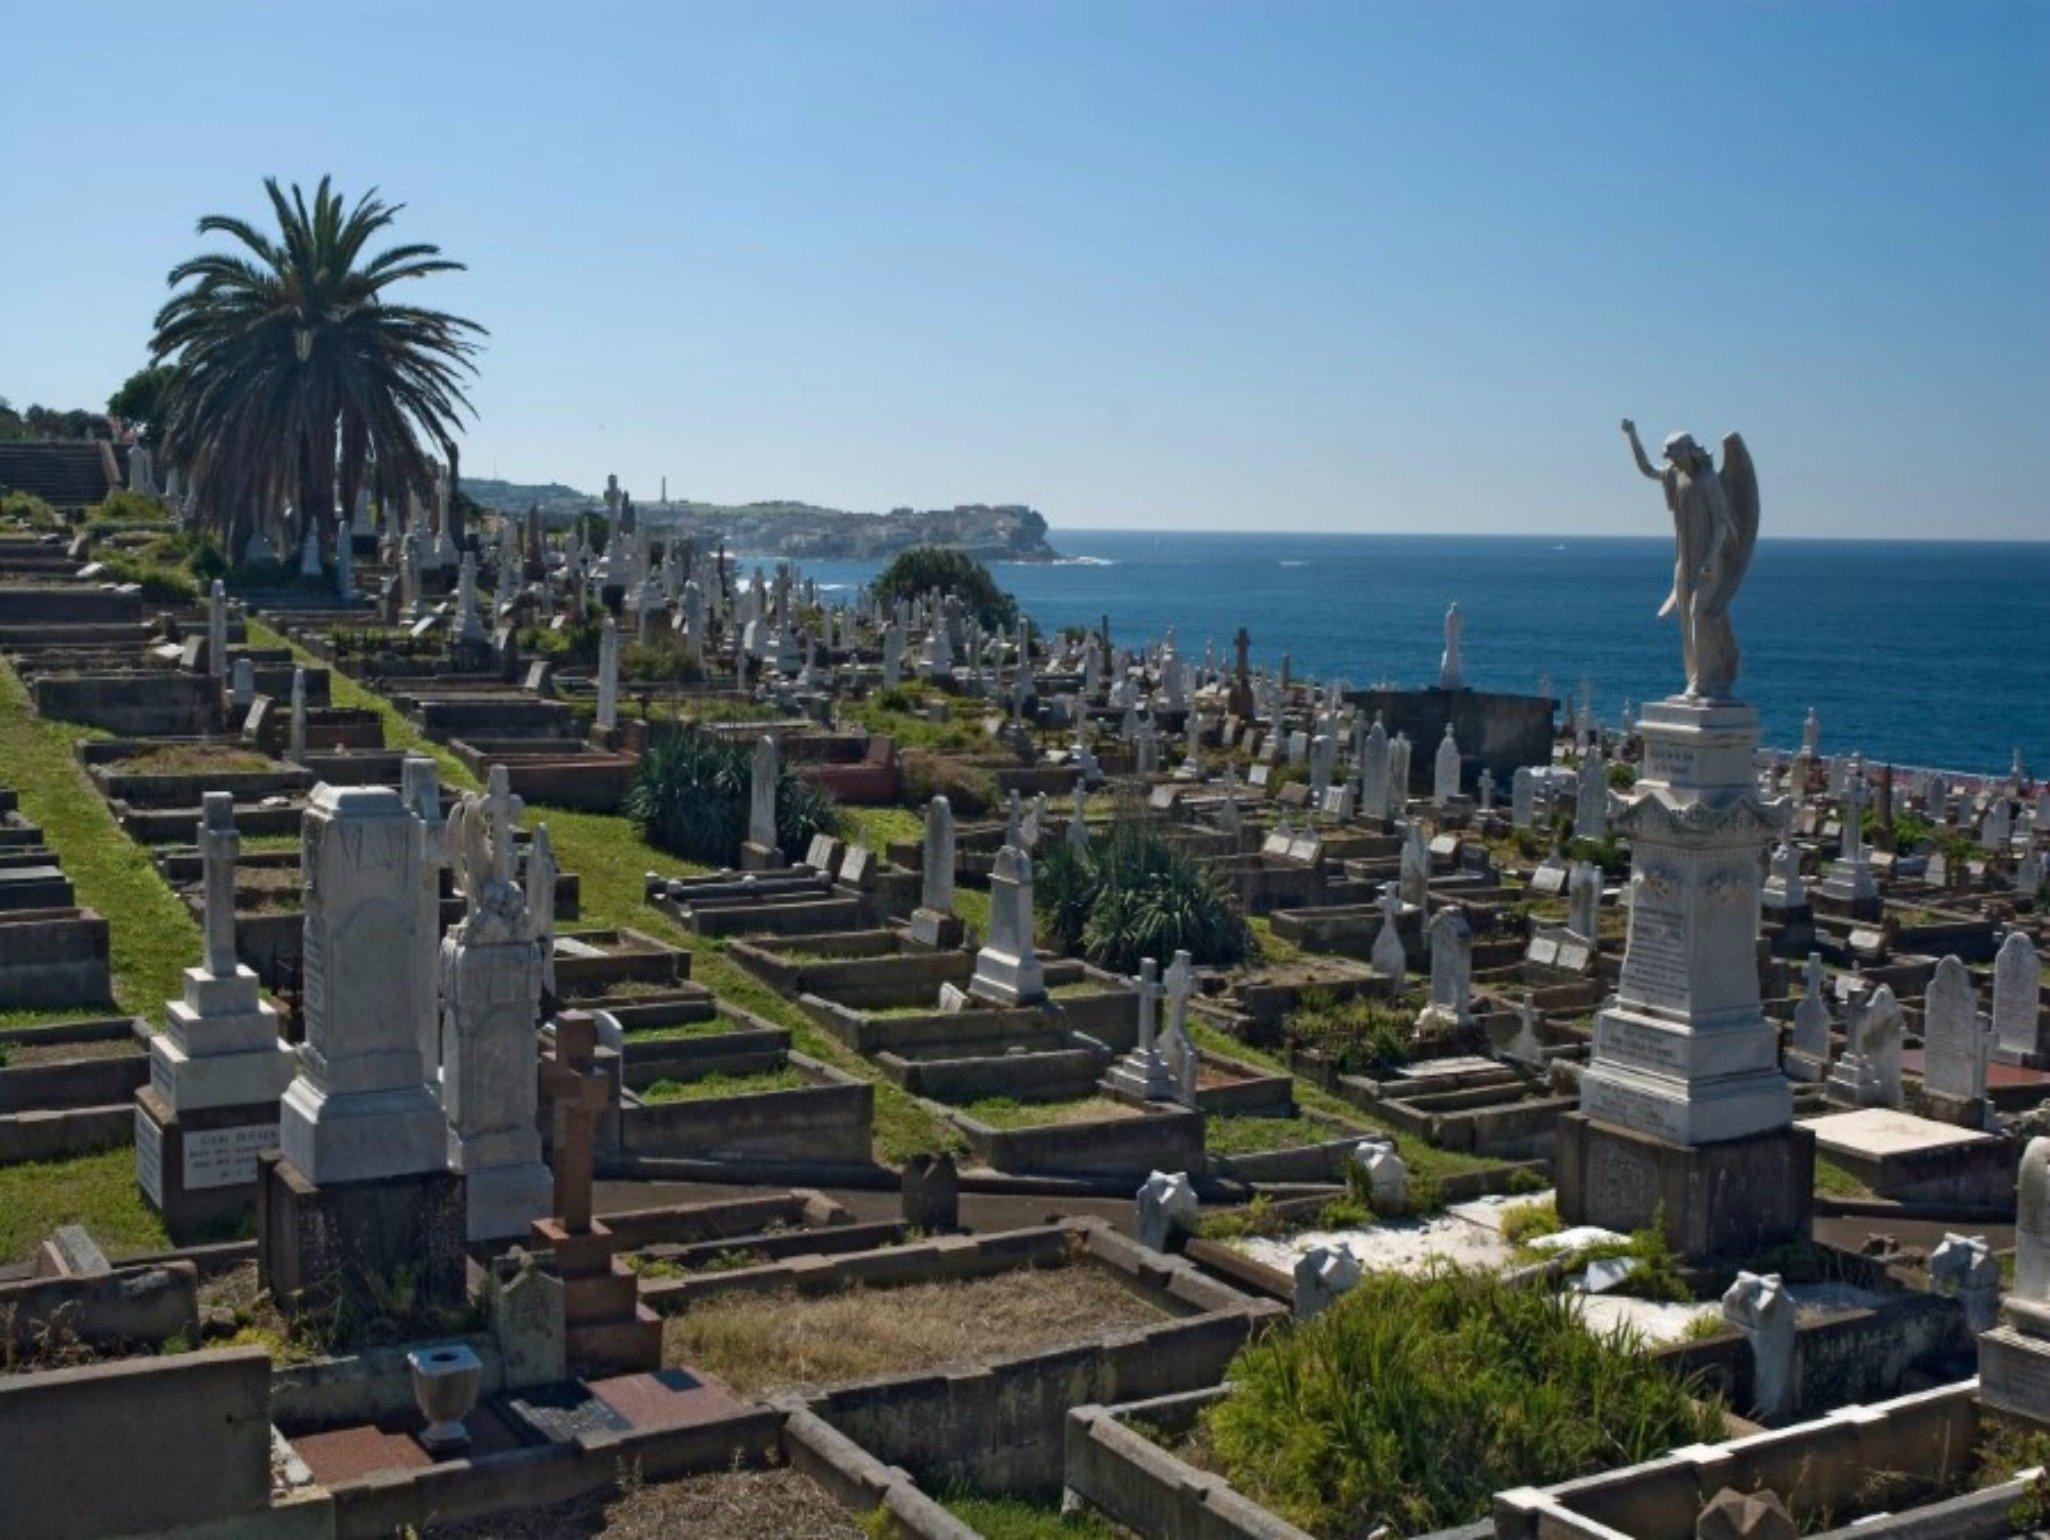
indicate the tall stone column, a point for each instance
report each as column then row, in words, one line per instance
column 1685, row 1115
column 359, row 1210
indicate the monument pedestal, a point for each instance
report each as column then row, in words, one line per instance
column 609, row 1330
column 198, row 1169
column 350, row 1246
column 760, row 858
column 943, row 932
column 2014, row 1373
column 1685, row 1114
column 1717, row 1201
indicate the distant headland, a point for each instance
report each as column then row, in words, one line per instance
column 988, row 532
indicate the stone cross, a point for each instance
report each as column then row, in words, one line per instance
column 219, row 844
column 578, row 1095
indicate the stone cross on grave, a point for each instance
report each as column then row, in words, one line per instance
column 577, row 1097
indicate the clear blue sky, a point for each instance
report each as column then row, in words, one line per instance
column 1348, row 267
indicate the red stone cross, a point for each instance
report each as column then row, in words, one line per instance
column 578, row 1095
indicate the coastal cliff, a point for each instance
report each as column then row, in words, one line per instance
column 986, row 531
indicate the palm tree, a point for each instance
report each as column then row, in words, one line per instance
column 294, row 374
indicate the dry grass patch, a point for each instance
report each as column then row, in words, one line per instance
column 730, row 1504
column 763, row 1342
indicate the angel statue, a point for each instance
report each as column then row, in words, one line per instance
column 1715, row 526
column 479, row 841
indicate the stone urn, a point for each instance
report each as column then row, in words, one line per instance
column 445, row 1380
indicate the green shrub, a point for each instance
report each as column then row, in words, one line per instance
column 159, row 584
column 924, row 568
column 1413, row 1400
column 689, row 796
column 28, row 508
column 969, row 789
column 1129, row 895
column 661, row 661
column 122, row 506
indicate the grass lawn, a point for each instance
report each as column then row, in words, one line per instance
column 760, row 1342
column 706, row 1087
column 97, row 1191
column 1251, row 1136
column 876, row 827
column 1005, row 1112
column 151, row 936
column 1421, row 1159
column 1027, row 1518
column 1834, row 1181
column 610, row 858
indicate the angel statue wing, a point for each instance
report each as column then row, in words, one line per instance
column 1740, row 495
column 465, row 842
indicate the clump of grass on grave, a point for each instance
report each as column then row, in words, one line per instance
column 97, row 1191
column 1523, row 1223
column 1413, row 1400
column 782, row 1078
column 1012, row 1517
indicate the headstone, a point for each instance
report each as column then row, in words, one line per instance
column 762, row 849
column 296, row 741
column 217, row 1069
column 1445, row 770
column 1384, row 1176
column 607, row 717
column 1183, row 1059
column 1584, row 900
column 1808, row 1048
column 1007, row 969
column 1322, row 1274
column 1953, row 1041
column 1450, row 940
column 1784, row 888
column 491, row 981
column 1761, row 1308
column 541, row 874
column 2017, row 999
column 931, row 1192
column 1869, row 1072
column 217, row 631
column 1734, row 1515
column 1166, row 1206
column 359, row 1109
column 1387, row 956
column 1374, row 797
column 1523, row 797
column 1965, row 1268
column 1591, row 802
column 242, row 691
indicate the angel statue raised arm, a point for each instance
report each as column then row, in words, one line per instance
column 1715, row 525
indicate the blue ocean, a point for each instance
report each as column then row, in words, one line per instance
column 1918, row 653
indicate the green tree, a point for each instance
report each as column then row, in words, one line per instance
column 295, row 371
column 142, row 399
column 924, row 568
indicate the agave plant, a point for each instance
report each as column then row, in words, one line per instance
column 294, row 371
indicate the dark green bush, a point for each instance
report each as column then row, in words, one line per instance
column 918, row 571
column 1413, row 1400
column 690, row 797
column 1130, row 894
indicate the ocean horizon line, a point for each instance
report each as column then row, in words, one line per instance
column 1054, row 531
